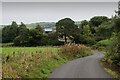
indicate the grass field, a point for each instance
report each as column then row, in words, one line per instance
column 11, row 50
column 38, row 62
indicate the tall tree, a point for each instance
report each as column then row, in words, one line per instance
column 35, row 36
column 39, row 28
column 23, row 38
column 97, row 20
column 9, row 32
column 66, row 27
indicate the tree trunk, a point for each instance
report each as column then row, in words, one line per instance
column 65, row 39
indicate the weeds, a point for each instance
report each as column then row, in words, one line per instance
column 74, row 51
column 39, row 64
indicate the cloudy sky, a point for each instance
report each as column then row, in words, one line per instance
column 30, row 12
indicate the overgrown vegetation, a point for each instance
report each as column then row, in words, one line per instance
column 39, row 64
column 112, row 58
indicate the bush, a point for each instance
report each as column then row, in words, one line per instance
column 106, row 42
column 51, row 39
column 90, row 41
column 74, row 51
column 113, row 55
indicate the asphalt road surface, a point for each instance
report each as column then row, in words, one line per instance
column 87, row 67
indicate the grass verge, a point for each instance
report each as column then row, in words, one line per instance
column 38, row 64
column 112, row 69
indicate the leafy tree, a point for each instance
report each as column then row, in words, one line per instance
column 35, row 36
column 66, row 27
column 96, row 21
column 23, row 38
column 23, row 30
column 88, row 36
column 79, row 38
column 51, row 39
column 114, row 53
column 39, row 28
column 83, row 23
column 117, row 25
column 87, row 31
column 105, row 30
column 9, row 32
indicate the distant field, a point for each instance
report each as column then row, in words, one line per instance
column 10, row 50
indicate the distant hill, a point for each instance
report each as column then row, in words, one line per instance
column 44, row 24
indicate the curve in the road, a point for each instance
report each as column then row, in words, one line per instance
column 87, row 67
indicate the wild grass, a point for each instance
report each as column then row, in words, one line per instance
column 32, row 65
column 38, row 62
column 74, row 51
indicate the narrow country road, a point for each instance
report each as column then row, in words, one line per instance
column 87, row 67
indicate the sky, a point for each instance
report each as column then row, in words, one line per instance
column 32, row 12
column 59, row 0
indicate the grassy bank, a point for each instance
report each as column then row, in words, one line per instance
column 112, row 69
column 39, row 64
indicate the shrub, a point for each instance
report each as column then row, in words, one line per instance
column 106, row 42
column 90, row 40
column 74, row 50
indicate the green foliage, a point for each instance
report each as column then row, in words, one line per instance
column 9, row 32
column 78, row 38
column 105, row 30
column 6, row 44
column 51, row 39
column 83, row 23
column 113, row 55
column 29, row 63
column 87, row 31
column 17, row 50
column 35, row 37
column 88, row 36
column 97, row 20
column 72, row 51
column 90, row 41
column 66, row 27
column 117, row 25
column 23, row 38
column 106, row 42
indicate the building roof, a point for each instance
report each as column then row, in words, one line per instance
column 48, row 29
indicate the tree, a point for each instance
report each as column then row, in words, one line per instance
column 105, row 30
column 66, row 27
column 114, row 53
column 96, row 21
column 87, row 31
column 9, row 32
column 35, row 37
column 39, row 28
column 88, row 36
column 23, row 38
column 117, row 25
column 83, row 23
column 51, row 39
